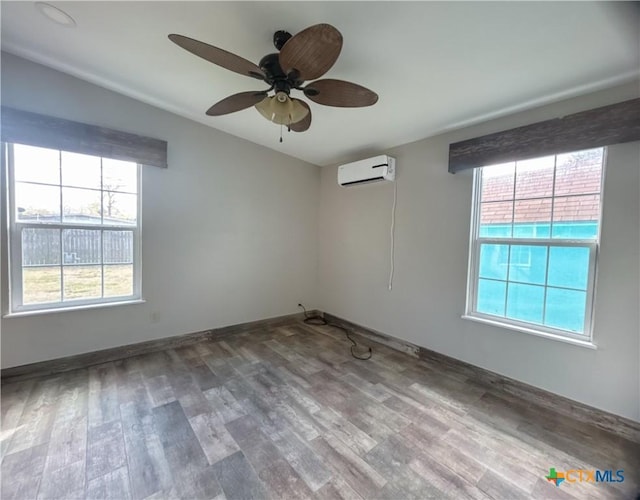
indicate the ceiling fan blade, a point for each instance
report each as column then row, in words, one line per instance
column 236, row 102
column 305, row 123
column 340, row 94
column 311, row 52
column 218, row 56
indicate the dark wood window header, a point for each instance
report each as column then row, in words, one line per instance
column 598, row 127
column 44, row 131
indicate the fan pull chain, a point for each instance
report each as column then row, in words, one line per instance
column 281, row 132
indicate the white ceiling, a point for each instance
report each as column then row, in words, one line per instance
column 435, row 65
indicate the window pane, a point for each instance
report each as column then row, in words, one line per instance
column 40, row 285
column 491, row 297
column 119, row 175
column 585, row 230
column 576, row 216
column 528, row 264
column 118, row 280
column 568, row 267
column 497, row 182
column 553, row 197
column 493, row 261
column 36, row 164
column 82, row 282
column 565, row 309
column 80, row 170
column 35, row 203
column 81, row 206
column 70, row 190
column 495, row 219
column 579, row 172
column 118, row 247
column 40, row 247
column 532, row 218
column 81, row 246
column 534, row 178
column 525, row 302
column 120, row 208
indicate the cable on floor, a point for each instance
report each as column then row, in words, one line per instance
column 316, row 319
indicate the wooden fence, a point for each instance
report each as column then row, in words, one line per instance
column 41, row 247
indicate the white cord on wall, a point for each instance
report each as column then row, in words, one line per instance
column 393, row 224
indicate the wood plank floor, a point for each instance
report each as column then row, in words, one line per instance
column 288, row 413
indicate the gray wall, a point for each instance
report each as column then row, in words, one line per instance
column 228, row 230
column 432, row 244
column 234, row 232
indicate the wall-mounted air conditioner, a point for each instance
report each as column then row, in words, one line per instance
column 378, row 168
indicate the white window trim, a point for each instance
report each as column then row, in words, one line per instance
column 585, row 339
column 14, row 228
column 531, row 331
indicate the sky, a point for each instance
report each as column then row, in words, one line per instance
column 40, row 172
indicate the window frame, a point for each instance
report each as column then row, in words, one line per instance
column 14, row 247
column 476, row 242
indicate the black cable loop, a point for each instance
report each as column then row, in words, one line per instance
column 320, row 321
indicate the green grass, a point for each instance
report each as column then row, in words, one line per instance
column 42, row 284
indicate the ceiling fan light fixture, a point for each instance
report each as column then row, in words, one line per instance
column 281, row 109
column 298, row 111
column 264, row 107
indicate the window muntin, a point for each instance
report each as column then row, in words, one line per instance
column 535, row 234
column 73, row 229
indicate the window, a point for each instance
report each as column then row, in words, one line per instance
column 535, row 234
column 74, row 230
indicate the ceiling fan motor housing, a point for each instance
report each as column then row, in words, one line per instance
column 275, row 75
column 270, row 65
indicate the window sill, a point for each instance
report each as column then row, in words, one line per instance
column 531, row 331
column 38, row 312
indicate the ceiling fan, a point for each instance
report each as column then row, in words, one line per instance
column 301, row 58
